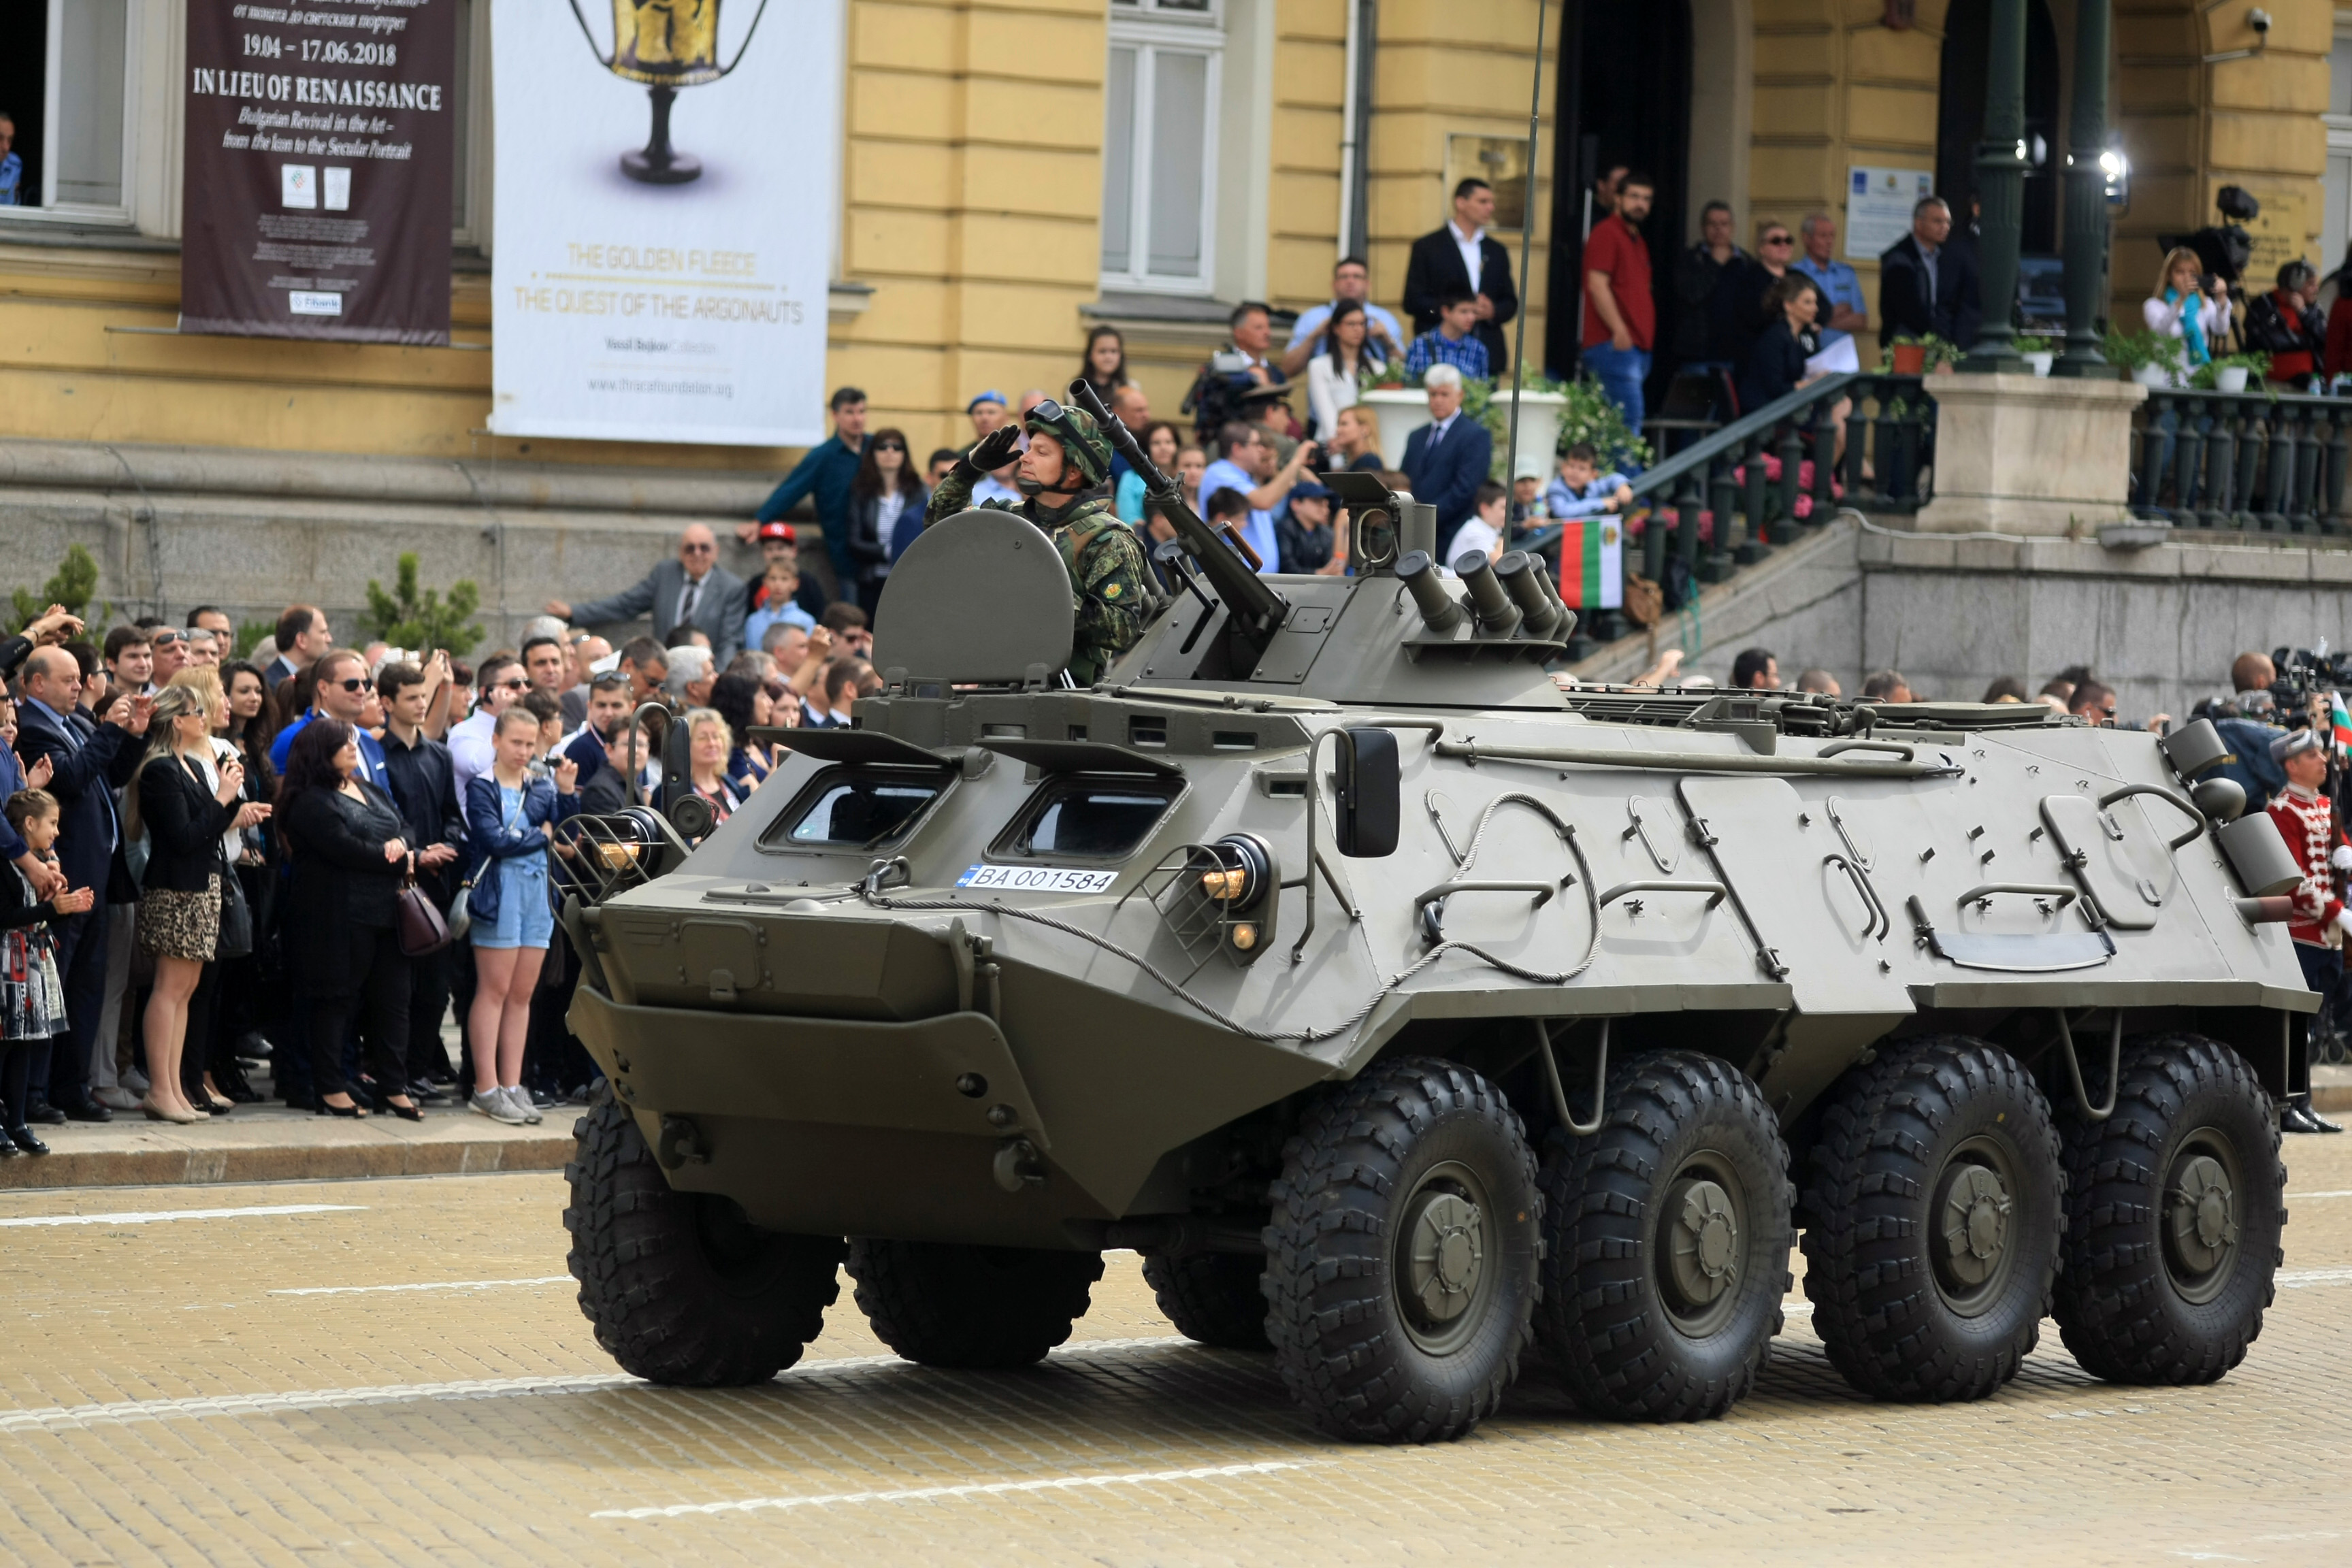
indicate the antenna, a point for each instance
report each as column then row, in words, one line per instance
column 1527, row 247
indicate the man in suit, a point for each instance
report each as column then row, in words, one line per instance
column 1463, row 255
column 1927, row 284
column 693, row 590
column 1447, row 460
column 88, row 763
column 303, row 639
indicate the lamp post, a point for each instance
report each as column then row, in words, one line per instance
column 2087, row 195
column 2001, row 187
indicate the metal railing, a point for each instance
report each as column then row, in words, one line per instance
column 1726, row 475
column 2242, row 462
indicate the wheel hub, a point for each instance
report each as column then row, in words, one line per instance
column 1702, row 1242
column 1446, row 1255
column 1972, row 1213
column 2201, row 1230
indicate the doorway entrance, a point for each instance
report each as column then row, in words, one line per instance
column 1624, row 98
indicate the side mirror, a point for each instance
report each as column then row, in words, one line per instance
column 1370, row 786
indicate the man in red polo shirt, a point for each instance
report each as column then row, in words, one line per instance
column 1619, row 312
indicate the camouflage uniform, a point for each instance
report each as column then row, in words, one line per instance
column 1110, row 580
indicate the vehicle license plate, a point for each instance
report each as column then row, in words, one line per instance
column 1038, row 878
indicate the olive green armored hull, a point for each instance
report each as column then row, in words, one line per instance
column 1012, row 1017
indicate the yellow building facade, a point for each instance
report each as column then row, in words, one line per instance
column 981, row 149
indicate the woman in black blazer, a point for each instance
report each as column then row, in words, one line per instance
column 343, row 931
column 183, row 803
column 1776, row 360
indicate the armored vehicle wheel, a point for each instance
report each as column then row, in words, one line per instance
column 1215, row 1298
column 680, row 1287
column 946, row 1304
column 1667, row 1238
column 2176, row 1202
column 1933, row 1209
column 1402, row 1265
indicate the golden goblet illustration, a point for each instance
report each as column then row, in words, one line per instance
column 667, row 44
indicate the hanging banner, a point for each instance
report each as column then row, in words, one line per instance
column 668, row 177
column 316, row 199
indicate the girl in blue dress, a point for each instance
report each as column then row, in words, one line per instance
column 511, row 821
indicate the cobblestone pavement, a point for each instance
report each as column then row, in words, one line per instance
column 393, row 1371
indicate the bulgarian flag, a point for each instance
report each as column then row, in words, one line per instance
column 1592, row 562
column 2339, row 720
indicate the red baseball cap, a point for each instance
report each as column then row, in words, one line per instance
column 782, row 530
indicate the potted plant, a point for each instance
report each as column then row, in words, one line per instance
column 1908, row 356
column 2036, row 351
column 2230, row 372
column 2152, row 359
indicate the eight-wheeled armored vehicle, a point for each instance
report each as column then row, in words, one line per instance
column 1402, row 1008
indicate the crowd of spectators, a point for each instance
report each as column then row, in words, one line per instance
column 217, row 862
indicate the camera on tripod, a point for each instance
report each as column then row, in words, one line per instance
column 2223, row 250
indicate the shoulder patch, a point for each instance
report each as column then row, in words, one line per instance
column 1110, row 590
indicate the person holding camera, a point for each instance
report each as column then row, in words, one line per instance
column 1217, row 396
column 2189, row 304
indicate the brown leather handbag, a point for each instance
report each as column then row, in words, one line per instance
column 423, row 931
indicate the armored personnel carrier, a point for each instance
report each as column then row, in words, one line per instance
column 1402, row 1009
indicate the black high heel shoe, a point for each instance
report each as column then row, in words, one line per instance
column 351, row 1112
column 409, row 1112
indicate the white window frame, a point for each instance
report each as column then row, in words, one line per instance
column 1143, row 26
column 83, row 214
column 481, row 160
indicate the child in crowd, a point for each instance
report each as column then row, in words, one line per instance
column 1583, row 489
column 32, row 998
column 1527, row 497
column 1485, row 531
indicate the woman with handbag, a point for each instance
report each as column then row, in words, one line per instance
column 184, row 801
column 511, row 821
column 342, row 934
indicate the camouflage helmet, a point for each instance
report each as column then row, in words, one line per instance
column 1083, row 444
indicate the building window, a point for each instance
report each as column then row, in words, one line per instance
column 1159, row 143
column 64, row 69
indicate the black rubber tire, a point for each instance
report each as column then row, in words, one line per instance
column 2124, row 1304
column 1894, row 1133
column 950, row 1305
column 1215, row 1298
column 680, row 1288
column 1628, row 1340
column 1375, row 1162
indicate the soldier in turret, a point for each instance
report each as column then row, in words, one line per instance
column 1062, row 475
column 2307, row 822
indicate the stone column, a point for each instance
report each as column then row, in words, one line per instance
column 2086, row 196
column 2000, row 188
column 2018, row 454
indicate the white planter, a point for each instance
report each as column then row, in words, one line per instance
column 2040, row 362
column 2230, row 378
column 2157, row 375
column 1405, row 409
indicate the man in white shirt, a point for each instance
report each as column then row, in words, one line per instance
column 472, row 743
column 1249, row 465
column 1351, row 280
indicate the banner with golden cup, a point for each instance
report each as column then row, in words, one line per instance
column 666, row 201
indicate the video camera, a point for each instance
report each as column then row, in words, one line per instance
column 2223, row 250
column 1216, row 398
column 2304, row 673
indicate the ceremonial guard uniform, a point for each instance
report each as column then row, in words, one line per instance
column 2307, row 820
column 1109, row 584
